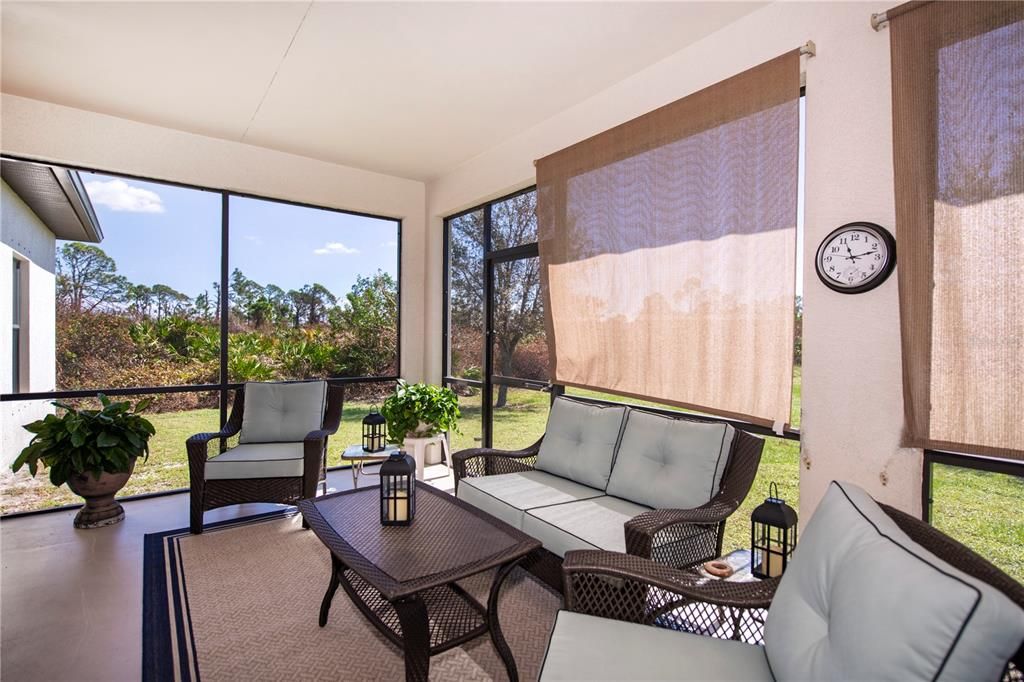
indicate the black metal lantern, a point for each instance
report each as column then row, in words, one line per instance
column 375, row 431
column 397, row 490
column 772, row 536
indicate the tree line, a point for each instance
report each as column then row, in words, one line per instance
column 88, row 281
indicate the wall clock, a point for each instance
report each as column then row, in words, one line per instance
column 856, row 257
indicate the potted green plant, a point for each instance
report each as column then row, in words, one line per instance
column 420, row 411
column 93, row 451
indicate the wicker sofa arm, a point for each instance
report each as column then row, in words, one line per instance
column 489, row 461
column 642, row 531
column 637, row 590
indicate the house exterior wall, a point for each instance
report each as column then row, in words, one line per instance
column 45, row 131
column 24, row 236
column 850, row 429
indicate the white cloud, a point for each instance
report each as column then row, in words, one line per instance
column 334, row 247
column 118, row 195
column 389, row 244
column 254, row 239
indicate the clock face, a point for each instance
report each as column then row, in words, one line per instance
column 856, row 257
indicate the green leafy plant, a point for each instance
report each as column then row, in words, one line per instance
column 411, row 404
column 87, row 441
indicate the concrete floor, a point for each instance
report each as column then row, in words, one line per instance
column 71, row 600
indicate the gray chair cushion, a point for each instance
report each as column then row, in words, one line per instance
column 670, row 463
column 280, row 413
column 579, row 442
column 863, row 601
column 506, row 496
column 590, row 648
column 588, row 524
column 257, row 460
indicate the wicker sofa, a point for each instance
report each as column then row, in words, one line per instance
column 872, row 593
column 616, row 478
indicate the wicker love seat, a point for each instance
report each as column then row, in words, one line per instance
column 281, row 455
column 616, row 478
column 871, row 594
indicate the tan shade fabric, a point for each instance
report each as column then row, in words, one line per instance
column 958, row 145
column 667, row 249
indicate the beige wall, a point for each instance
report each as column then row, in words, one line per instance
column 61, row 134
column 852, row 400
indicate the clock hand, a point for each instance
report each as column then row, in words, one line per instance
column 850, row 257
column 861, row 255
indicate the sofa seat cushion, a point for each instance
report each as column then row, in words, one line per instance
column 670, row 463
column 257, row 460
column 579, row 441
column 590, row 648
column 861, row 600
column 597, row 523
column 507, row 496
column 280, row 413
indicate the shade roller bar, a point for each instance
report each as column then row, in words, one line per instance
column 880, row 20
column 668, row 249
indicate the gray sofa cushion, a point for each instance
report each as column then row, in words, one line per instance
column 579, row 442
column 257, row 460
column 588, row 524
column 590, row 648
column 861, row 600
column 507, row 495
column 282, row 413
column 670, row 463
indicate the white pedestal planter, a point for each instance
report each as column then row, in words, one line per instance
column 426, row 451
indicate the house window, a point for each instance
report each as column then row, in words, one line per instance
column 16, row 328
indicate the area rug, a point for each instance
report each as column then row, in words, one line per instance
column 240, row 602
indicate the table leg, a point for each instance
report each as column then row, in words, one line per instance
column 497, row 638
column 336, row 568
column 412, row 615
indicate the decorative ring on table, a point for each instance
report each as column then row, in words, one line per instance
column 718, row 569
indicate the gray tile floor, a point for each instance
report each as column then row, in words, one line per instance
column 71, row 600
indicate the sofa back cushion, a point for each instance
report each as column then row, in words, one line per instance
column 863, row 601
column 278, row 413
column 579, row 442
column 667, row 462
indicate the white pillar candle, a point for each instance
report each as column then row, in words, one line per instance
column 774, row 560
column 400, row 506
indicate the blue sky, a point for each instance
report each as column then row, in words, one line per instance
column 171, row 235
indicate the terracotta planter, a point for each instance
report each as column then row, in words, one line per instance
column 101, row 509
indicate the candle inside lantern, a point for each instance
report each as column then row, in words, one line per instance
column 399, row 507
column 774, row 568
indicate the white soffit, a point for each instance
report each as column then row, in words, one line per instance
column 409, row 89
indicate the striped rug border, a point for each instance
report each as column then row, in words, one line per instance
column 168, row 642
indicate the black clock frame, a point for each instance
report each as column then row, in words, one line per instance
column 883, row 274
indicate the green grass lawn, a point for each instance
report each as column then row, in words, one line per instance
column 982, row 510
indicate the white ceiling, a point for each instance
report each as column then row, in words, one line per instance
column 409, row 89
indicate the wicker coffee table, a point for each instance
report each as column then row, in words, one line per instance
column 403, row 579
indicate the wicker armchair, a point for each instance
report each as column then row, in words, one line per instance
column 211, row 493
column 628, row 588
column 674, row 537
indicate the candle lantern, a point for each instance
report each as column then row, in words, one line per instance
column 772, row 536
column 374, row 431
column 397, row 490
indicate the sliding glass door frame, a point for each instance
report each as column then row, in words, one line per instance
column 491, row 259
